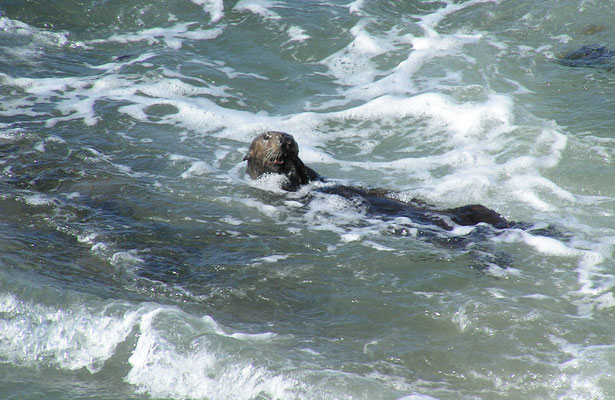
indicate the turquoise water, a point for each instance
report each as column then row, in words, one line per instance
column 138, row 261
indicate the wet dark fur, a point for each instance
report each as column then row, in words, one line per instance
column 278, row 153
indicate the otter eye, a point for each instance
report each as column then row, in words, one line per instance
column 267, row 136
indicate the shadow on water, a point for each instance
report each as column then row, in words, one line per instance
column 84, row 226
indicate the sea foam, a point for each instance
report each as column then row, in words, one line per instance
column 76, row 337
column 215, row 8
column 71, row 339
column 39, row 35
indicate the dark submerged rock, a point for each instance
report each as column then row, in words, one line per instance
column 593, row 55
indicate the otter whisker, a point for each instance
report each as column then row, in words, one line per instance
column 270, row 155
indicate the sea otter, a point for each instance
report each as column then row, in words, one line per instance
column 278, row 153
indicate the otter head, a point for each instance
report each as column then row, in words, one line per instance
column 277, row 153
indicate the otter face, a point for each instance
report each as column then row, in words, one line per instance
column 278, row 153
column 273, row 152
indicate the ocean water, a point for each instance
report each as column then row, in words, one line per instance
column 138, row 261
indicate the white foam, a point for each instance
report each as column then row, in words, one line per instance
column 351, row 237
column 584, row 370
column 24, row 54
column 273, row 258
column 115, row 66
column 38, row 200
column 198, row 168
column 461, row 318
column 333, row 212
column 211, row 324
column 293, row 204
column 496, row 270
column 79, row 96
column 594, row 286
column 297, row 34
column 261, row 8
column 171, row 36
column 430, row 21
column 85, row 334
column 161, row 369
column 11, row 108
column 125, row 259
column 270, row 182
column 352, row 65
column 526, row 188
column 71, row 339
column 99, row 248
column 19, row 28
column 546, row 245
column 377, row 246
column 231, row 220
column 45, row 88
column 587, row 271
column 87, row 238
column 266, row 209
column 356, row 7
column 215, row 8
column 463, row 120
column 476, row 133
column 562, row 38
column 418, row 397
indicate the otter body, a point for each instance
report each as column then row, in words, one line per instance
column 278, row 153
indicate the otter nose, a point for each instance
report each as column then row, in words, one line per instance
column 286, row 140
